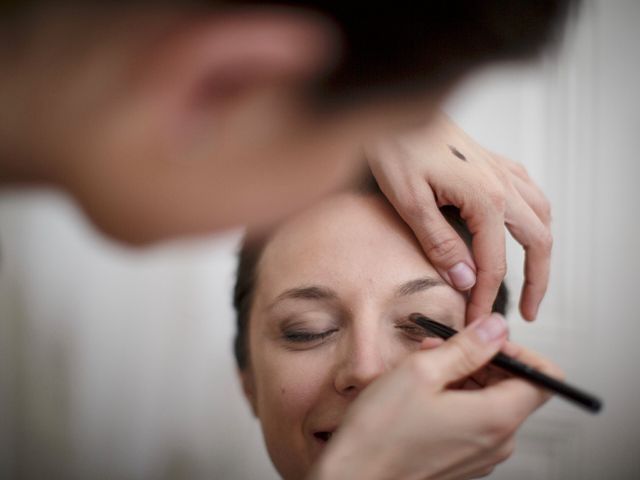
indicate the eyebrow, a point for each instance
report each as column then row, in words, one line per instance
column 418, row 285
column 313, row 292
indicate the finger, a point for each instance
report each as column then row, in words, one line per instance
column 515, row 168
column 534, row 198
column 515, row 398
column 485, row 461
column 525, row 226
column 518, row 397
column 535, row 360
column 442, row 245
column 429, row 343
column 494, row 375
column 488, row 246
column 505, row 404
column 466, row 352
column 531, row 193
column 511, row 349
column 469, row 383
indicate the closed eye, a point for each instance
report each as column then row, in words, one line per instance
column 307, row 337
column 413, row 332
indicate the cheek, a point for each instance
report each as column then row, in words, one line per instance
column 400, row 346
column 289, row 388
column 288, row 385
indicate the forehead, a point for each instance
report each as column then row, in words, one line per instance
column 345, row 241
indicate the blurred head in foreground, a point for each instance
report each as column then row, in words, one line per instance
column 322, row 308
column 150, row 112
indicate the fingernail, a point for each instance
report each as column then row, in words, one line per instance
column 490, row 328
column 462, row 276
column 529, row 310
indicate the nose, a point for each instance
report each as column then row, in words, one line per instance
column 361, row 360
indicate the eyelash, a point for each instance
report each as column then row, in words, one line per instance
column 414, row 331
column 307, row 337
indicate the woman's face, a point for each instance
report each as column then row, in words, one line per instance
column 335, row 287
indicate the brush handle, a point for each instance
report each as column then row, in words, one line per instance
column 518, row 368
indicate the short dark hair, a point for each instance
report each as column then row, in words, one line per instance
column 253, row 246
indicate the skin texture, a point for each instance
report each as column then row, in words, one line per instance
column 335, row 288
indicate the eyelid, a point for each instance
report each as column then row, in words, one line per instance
column 309, row 320
column 307, row 329
column 303, row 337
column 413, row 331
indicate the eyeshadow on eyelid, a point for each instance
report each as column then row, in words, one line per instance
column 445, row 318
column 305, row 319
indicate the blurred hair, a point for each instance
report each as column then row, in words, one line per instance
column 253, row 246
column 389, row 47
column 402, row 47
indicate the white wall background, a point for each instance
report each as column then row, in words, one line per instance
column 117, row 364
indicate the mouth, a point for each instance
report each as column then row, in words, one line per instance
column 323, row 437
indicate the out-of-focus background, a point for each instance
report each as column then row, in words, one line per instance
column 117, row 363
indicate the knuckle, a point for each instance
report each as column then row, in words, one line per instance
column 520, row 169
column 499, row 429
column 547, row 241
column 545, row 210
column 418, row 212
column 544, row 240
column 442, row 247
column 486, row 471
column 497, row 274
column 497, row 199
column 413, row 205
column 505, row 452
column 501, row 270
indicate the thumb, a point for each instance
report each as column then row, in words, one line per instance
column 469, row 350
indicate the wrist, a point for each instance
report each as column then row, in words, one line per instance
column 341, row 462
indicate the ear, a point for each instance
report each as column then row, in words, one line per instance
column 249, row 389
column 215, row 60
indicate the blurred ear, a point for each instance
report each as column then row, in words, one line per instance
column 213, row 61
column 248, row 387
